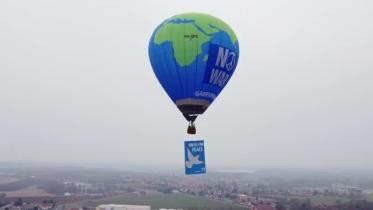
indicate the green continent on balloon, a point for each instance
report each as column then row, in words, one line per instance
column 208, row 23
column 188, row 32
column 186, row 41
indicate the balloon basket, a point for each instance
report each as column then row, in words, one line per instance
column 191, row 128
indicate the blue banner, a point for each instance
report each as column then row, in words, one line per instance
column 194, row 157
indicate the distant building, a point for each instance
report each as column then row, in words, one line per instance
column 46, row 206
column 175, row 191
column 264, row 207
column 170, row 209
column 241, row 198
column 16, row 208
column 121, row 207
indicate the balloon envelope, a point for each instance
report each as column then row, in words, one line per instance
column 193, row 56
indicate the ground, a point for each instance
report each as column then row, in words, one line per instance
column 157, row 201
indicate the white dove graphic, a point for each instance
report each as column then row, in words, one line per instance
column 192, row 160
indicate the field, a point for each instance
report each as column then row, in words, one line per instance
column 30, row 191
column 157, row 201
column 369, row 197
column 323, row 199
column 7, row 179
column 328, row 199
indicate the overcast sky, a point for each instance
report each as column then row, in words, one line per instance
column 76, row 85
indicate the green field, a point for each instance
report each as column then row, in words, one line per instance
column 323, row 199
column 369, row 198
column 157, row 201
column 328, row 199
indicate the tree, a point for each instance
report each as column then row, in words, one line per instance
column 306, row 205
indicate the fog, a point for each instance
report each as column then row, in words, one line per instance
column 76, row 85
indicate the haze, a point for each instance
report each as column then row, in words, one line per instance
column 76, row 85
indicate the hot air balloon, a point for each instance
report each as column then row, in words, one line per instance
column 193, row 55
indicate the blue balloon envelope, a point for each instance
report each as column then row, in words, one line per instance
column 193, row 56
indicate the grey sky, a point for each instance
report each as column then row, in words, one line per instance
column 76, row 85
